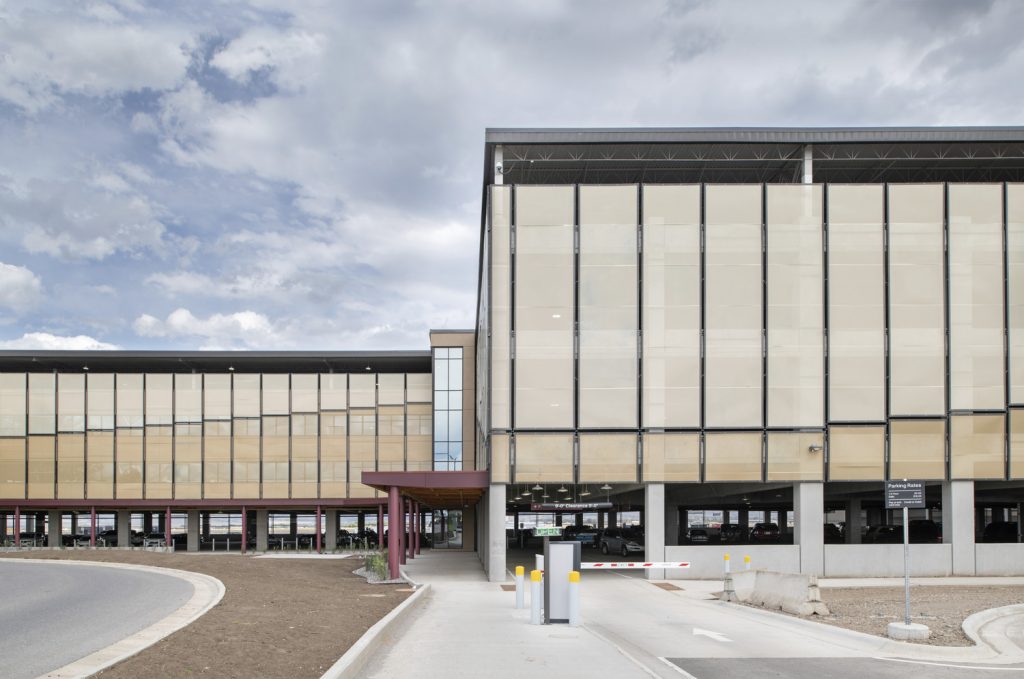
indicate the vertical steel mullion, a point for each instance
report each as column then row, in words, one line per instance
column 348, row 441
column 702, row 246
column 640, row 329
column 113, row 482
column 319, row 443
column 826, row 338
column 145, row 435
column 1006, row 331
column 56, row 432
column 577, row 344
column 512, row 256
column 887, row 303
column 405, row 421
column 174, row 431
column 764, row 332
column 946, row 321
column 202, row 436
column 290, row 434
column 263, row 433
column 231, row 434
column 85, row 436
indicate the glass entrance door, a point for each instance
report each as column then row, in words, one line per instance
column 447, row 529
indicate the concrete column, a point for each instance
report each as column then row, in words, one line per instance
column 1020, row 521
column 958, row 524
column 53, row 529
column 654, row 528
column 293, row 523
column 809, row 526
column 600, row 520
column 147, row 522
column 331, row 529
column 161, row 522
column 3, row 527
column 360, row 521
column 192, row 544
column 874, row 517
column 74, row 523
column 613, row 519
column 744, row 522
column 684, row 523
column 558, row 519
column 853, row 522
column 204, row 520
column 124, row 528
column 262, row 529
column 495, row 561
column 394, row 543
column 671, row 525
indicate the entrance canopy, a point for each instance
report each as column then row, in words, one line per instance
column 436, row 490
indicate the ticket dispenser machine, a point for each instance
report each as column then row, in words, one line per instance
column 560, row 558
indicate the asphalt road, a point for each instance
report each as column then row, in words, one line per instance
column 52, row 613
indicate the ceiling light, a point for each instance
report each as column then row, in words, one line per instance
column 231, row 368
column 585, row 493
column 537, row 487
column 606, row 487
column 563, row 489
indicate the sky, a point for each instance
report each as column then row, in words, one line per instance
column 222, row 174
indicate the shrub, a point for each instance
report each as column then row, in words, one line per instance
column 377, row 563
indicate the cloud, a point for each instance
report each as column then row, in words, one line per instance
column 239, row 329
column 46, row 341
column 20, row 289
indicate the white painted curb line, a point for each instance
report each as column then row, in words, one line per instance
column 207, row 591
column 351, row 665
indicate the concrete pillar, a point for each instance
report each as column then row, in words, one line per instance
column 360, row 521
column 613, row 519
column 161, row 522
column 495, row 561
column 394, row 543
column 958, row 524
column 262, row 529
column 293, row 523
column 53, row 529
column 671, row 525
column 3, row 527
column 124, row 528
column 204, row 521
column 809, row 526
column 558, row 518
column 744, row 522
column 854, row 524
column 331, row 529
column 1020, row 521
column 147, row 522
column 600, row 520
column 74, row 523
column 579, row 519
column 684, row 523
column 654, row 528
column 192, row 544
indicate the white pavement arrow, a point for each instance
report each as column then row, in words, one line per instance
column 717, row 636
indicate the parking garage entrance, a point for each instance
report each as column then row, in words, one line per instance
column 447, row 529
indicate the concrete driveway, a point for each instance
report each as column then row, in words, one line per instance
column 54, row 613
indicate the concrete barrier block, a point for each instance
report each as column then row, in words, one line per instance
column 790, row 592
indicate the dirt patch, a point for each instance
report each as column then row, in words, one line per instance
column 942, row 608
column 279, row 618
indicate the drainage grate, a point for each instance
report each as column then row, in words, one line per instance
column 508, row 588
column 667, row 586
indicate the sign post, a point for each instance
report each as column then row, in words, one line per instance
column 905, row 495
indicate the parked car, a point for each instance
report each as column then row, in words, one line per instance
column 367, row 534
column 698, row 536
column 621, row 541
column 921, row 531
column 1000, row 531
column 585, row 535
column 924, row 531
column 764, row 532
column 732, row 532
column 883, row 534
column 107, row 538
column 833, row 534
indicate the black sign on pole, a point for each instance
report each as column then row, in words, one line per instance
column 904, row 494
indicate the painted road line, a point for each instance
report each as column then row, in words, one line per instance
column 717, row 636
column 957, row 667
column 602, row 565
column 677, row 668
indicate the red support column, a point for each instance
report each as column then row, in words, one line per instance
column 245, row 530
column 416, row 525
column 17, row 526
column 318, row 530
column 394, row 544
column 380, row 526
column 168, row 540
column 92, row 531
column 399, row 527
column 411, row 531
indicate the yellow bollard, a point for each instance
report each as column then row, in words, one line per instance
column 520, row 588
column 726, row 558
column 574, row 598
column 746, row 562
column 535, row 597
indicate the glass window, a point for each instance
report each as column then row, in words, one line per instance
column 129, row 400
column 856, row 303
column 41, row 466
column 608, row 306
column 795, row 456
column 100, row 464
column 12, row 467
column 70, row 466
column 418, row 452
column 42, row 404
column 795, row 278
column 917, row 449
column 217, row 397
column 544, row 297
column 608, row 458
column 856, row 453
column 732, row 457
column 1015, row 278
column 391, row 389
column 671, row 306
column 543, row 458
column 976, row 444
column 448, row 409
column 188, row 398
column 13, row 394
column 71, row 402
column 99, row 402
column 246, row 395
column 1017, row 444
column 732, row 283
column 976, row 297
column 275, row 394
column 671, row 457
column 501, row 306
column 159, row 398
column 304, row 393
column 418, row 387
column 363, row 390
column 333, row 391
column 916, row 315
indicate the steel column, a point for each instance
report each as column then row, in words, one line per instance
column 380, row 526
column 17, row 526
column 245, row 529
column 416, row 525
column 318, row 545
column 394, row 507
column 411, row 531
column 92, row 531
column 167, row 530
column 400, row 526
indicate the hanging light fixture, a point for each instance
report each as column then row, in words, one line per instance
column 563, row 489
column 606, row 487
column 585, row 492
column 537, row 487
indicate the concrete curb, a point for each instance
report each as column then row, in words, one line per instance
column 207, row 593
column 974, row 624
column 351, row 665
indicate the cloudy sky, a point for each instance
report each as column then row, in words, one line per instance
column 232, row 175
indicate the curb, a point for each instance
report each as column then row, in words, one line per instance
column 207, row 593
column 352, row 663
column 973, row 625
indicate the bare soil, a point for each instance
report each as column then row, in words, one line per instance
column 279, row 618
column 942, row 608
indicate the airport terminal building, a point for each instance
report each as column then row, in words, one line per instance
column 729, row 338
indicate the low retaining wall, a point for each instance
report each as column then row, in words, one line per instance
column 886, row 561
column 707, row 563
column 999, row 559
